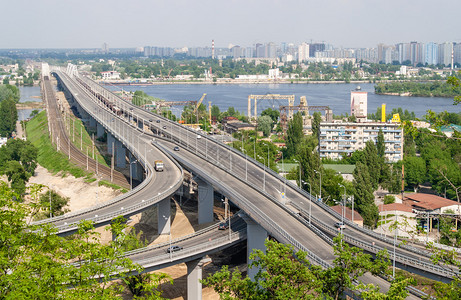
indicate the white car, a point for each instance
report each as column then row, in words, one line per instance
column 340, row 225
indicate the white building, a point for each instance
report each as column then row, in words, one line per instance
column 303, row 52
column 359, row 104
column 274, row 73
column 337, row 139
column 3, row 141
column 110, row 75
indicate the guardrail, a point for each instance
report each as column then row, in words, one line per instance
column 132, row 208
column 267, row 223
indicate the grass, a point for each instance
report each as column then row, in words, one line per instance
column 113, row 186
column 83, row 139
column 422, row 283
column 48, row 157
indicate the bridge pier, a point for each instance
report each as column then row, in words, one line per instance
column 205, row 201
column 120, row 154
column 99, row 130
column 92, row 122
column 194, row 275
column 136, row 168
column 164, row 216
column 110, row 141
column 256, row 238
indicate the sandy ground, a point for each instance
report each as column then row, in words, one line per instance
column 81, row 194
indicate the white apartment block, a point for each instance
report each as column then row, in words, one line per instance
column 337, row 139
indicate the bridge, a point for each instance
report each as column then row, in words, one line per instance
column 297, row 218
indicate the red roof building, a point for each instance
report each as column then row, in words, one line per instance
column 431, row 203
column 348, row 214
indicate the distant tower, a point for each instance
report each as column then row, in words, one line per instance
column 359, row 103
column 105, row 48
column 212, row 49
column 452, row 58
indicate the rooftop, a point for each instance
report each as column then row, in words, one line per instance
column 395, row 207
column 348, row 212
column 428, row 201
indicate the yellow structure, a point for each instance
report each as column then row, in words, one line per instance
column 199, row 102
column 383, row 112
column 395, row 118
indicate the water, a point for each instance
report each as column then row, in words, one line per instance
column 336, row 96
column 28, row 94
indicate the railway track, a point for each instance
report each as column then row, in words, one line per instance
column 60, row 138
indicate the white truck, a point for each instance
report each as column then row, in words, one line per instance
column 158, row 165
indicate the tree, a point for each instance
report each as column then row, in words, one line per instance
column 8, row 117
column 265, row 125
column 272, row 113
column 415, row 171
column 21, row 151
column 371, row 159
column 380, row 147
column 317, row 118
column 56, row 201
column 363, row 194
column 294, row 134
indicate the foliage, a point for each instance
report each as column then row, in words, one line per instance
column 283, row 274
column 388, row 199
column 8, row 117
column 294, row 134
column 380, row 146
column 405, row 115
column 56, row 201
column 9, row 92
column 363, row 194
column 265, row 125
column 415, row 171
column 455, row 83
column 418, row 89
column 272, row 113
column 34, row 261
column 316, row 119
column 21, row 151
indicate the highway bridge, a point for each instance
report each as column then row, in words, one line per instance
column 297, row 218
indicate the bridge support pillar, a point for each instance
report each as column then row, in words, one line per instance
column 205, row 202
column 110, row 142
column 140, row 124
column 256, row 237
column 120, row 154
column 164, row 216
column 92, row 122
column 194, row 275
column 99, row 130
column 136, row 168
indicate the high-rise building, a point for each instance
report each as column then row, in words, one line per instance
column 260, row 50
column 431, row 53
column 105, row 48
column 457, row 53
column 445, row 51
column 404, row 52
column 249, row 52
column 416, row 51
column 316, row 47
column 236, row 51
column 381, row 52
column 271, row 50
column 303, row 52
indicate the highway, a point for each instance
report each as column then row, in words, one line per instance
column 245, row 182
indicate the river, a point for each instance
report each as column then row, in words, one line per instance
column 28, row 94
column 336, row 96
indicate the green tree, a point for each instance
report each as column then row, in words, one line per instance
column 21, row 151
column 371, row 159
column 272, row 113
column 8, row 117
column 363, row 194
column 316, row 119
column 57, row 202
column 265, row 125
column 380, row 146
column 415, row 171
column 294, row 134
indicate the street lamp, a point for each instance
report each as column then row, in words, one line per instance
column 310, row 200
column 131, row 175
column 264, row 174
column 343, row 203
column 227, row 207
column 246, row 165
column 299, row 162
column 320, row 173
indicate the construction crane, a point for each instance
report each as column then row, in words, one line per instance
column 198, row 105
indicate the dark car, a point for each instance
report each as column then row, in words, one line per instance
column 176, row 148
column 173, row 248
column 340, row 225
column 223, row 226
column 158, row 121
column 150, row 120
column 164, row 127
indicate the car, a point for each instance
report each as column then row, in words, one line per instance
column 158, row 121
column 150, row 120
column 176, row 148
column 164, row 127
column 223, row 226
column 198, row 136
column 340, row 225
column 173, row 248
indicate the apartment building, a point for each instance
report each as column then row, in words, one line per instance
column 340, row 138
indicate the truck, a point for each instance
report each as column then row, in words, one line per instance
column 158, row 165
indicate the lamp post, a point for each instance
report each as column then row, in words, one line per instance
column 131, row 175
column 51, row 211
column 395, row 241
column 320, row 173
column 264, row 174
column 310, row 200
column 343, row 204
column 299, row 162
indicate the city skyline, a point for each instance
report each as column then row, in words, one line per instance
column 344, row 23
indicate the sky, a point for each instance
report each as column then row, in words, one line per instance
column 194, row 23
